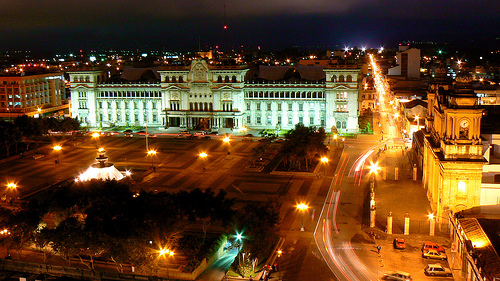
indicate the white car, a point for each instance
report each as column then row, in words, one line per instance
column 438, row 270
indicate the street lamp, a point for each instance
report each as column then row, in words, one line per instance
column 324, row 160
column 432, row 224
column 277, row 265
column 152, row 153
column 166, row 253
column 226, row 141
column 302, row 207
column 57, row 149
column 203, row 155
column 418, row 123
column 95, row 135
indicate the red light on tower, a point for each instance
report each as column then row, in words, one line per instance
column 225, row 26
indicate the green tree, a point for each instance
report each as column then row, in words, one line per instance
column 260, row 223
column 304, row 144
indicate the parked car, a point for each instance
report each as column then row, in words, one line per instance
column 128, row 135
column 215, row 133
column 185, row 132
column 399, row 243
column 432, row 245
column 433, row 254
column 192, row 137
column 180, row 136
column 199, row 133
column 397, row 275
column 206, row 137
column 437, row 269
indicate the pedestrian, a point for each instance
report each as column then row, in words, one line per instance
column 378, row 249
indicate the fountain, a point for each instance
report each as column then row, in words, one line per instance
column 101, row 170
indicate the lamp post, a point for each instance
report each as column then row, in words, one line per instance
column 203, row 155
column 277, row 264
column 432, row 224
column 152, row 153
column 166, row 253
column 226, row 141
column 324, row 160
column 57, row 150
column 95, row 135
column 373, row 170
column 418, row 122
column 302, row 208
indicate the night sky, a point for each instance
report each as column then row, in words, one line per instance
column 184, row 25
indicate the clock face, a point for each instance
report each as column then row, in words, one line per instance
column 464, row 123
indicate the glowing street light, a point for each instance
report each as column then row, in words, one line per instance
column 226, row 141
column 203, row 155
column 325, row 161
column 57, row 149
column 432, row 224
column 302, row 207
column 152, row 153
column 11, row 186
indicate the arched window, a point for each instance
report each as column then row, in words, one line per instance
column 344, row 125
column 226, row 79
column 206, row 107
column 233, row 80
column 334, row 78
column 167, row 79
column 219, row 79
column 339, row 124
column 81, row 79
column 341, row 78
column 211, row 107
column 191, row 106
column 174, row 80
column 349, row 78
column 180, row 79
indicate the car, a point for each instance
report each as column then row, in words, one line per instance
column 185, row 132
column 199, row 133
column 180, row 136
column 279, row 140
column 192, row 137
column 215, row 133
column 129, row 135
column 206, row 138
column 247, row 139
column 437, row 270
column 397, row 275
column 399, row 243
column 128, row 131
column 433, row 254
column 432, row 245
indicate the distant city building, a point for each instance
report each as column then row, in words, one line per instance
column 408, row 60
column 31, row 94
column 205, row 96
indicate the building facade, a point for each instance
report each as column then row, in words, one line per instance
column 31, row 94
column 205, row 96
column 453, row 153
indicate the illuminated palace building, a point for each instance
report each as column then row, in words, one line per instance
column 204, row 96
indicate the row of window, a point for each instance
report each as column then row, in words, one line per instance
column 312, row 106
column 268, row 121
column 284, row 95
column 109, row 94
column 126, row 104
column 341, row 78
column 180, row 79
column 119, row 118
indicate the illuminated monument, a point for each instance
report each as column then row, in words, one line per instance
column 102, row 169
column 453, row 154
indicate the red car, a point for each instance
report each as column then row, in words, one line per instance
column 399, row 243
column 432, row 246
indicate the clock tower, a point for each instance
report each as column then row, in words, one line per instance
column 453, row 154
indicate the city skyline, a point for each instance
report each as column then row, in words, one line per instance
column 68, row 25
